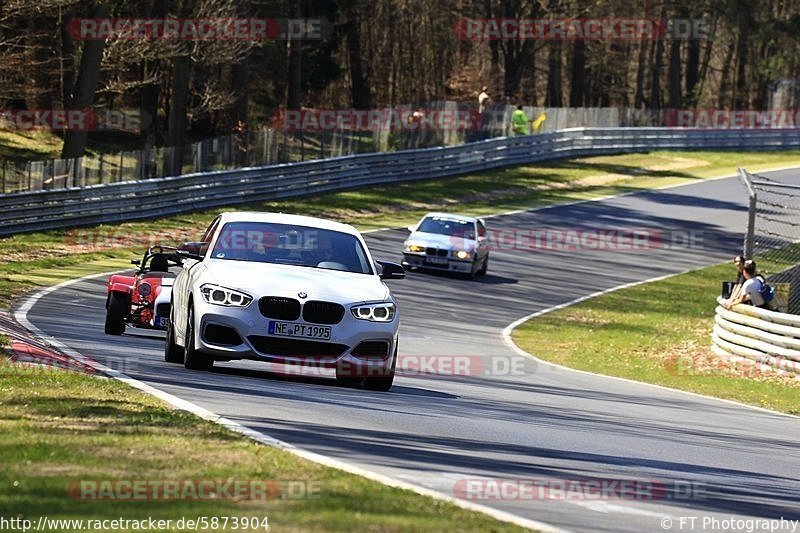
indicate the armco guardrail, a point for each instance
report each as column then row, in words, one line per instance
column 765, row 337
column 44, row 210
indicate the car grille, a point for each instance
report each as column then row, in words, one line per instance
column 322, row 312
column 295, row 347
column 435, row 251
column 279, row 308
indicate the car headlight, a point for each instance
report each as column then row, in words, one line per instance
column 462, row 254
column 144, row 289
column 214, row 294
column 382, row 312
column 415, row 248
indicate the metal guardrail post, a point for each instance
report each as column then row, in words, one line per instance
column 749, row 239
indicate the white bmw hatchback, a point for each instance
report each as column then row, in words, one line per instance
column 285, row 289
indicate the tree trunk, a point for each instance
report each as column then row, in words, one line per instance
column 554, row 96
column 740, row 90
column 578, row 82
column 67, row 63
column 241, row 81
column 148, row 103
column 294, row 86
column 658, row 58
column 674, row 74
column 83, row 94
column 692, row 72
column 360, row 96
column 725, row 85
column 176, row 121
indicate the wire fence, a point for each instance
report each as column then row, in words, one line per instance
column 775, row 220
column 275, row 145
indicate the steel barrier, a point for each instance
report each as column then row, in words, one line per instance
column 142, row 199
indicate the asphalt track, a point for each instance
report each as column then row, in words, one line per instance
column 509, row 417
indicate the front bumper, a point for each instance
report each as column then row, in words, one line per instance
column 252, row 339
column 452, row 265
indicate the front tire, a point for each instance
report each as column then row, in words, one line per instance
column 192, row 359
column 485, row 266
column 118, row 306
column 172, row 352
column 383, row 383
column 473, row 272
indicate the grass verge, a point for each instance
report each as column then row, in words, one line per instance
column 660, row 333
column 61, row 427
column 51, row 254
column 29, row 144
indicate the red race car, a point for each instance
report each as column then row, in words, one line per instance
column 141, row 299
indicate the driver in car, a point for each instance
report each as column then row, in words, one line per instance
column 326, row 254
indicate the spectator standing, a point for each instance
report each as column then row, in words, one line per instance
column 519, row 121
column 484, row 114
column 484, row 100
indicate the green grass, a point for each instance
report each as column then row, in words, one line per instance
column 61, row 427
column 20, row 277
column 43, row 144
column 658, row 332
column 29, row 144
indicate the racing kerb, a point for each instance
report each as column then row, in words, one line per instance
column 133, row 200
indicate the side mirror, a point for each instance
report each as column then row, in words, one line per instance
column 389, row 270
column 412, row 228
column 136, row 262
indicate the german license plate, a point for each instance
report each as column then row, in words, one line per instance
column 434, row 260
column 305, row 331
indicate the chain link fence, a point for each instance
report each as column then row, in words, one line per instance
column 773, row 234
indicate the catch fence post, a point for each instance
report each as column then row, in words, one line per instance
column 749, row 238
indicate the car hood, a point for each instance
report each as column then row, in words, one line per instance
column 440, row 241
column 266, row 279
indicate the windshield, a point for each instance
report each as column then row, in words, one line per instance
column 448, row 226
column 287, row 244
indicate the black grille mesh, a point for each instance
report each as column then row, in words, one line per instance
column 279, row 308
column 317, row 312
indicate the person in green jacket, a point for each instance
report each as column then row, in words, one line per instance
column 519, row 121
